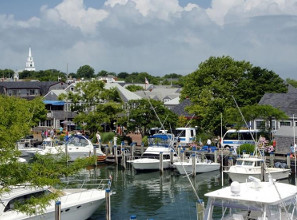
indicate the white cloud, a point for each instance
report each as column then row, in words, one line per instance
column 223, row 11
column 74, row 13
column 156, row 36
column 156, row 8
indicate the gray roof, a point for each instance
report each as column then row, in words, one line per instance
column 159, row 92
column 180, row 108
column 125, row 94
column 286, row 102
column 43, row 86
column 54, row 94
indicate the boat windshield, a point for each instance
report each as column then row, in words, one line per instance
column 225, row 209
column 12, row 204
column 164, row 140
column 78, row 141
column 248, row 163
column 155, row 156
column 239, row 162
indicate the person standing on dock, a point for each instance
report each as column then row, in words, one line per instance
column 98, row 137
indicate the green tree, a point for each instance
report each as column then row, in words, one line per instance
column 145, row 114
column 43, row 75
column 123, row 75
column 95, row 104
column 211, row 87
column 134, row 88
column 252, row 112
column 172, row 76
column 103, row 73
column 6, row 73
column 16, row 118
column 292, row 82
column 85, row 71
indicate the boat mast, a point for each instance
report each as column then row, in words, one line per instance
column 294, row 148
column 256, row 148
column 222, row 155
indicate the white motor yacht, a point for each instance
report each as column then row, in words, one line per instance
column 76, row 204
column 252, row 200
column 150, row 159
column 251, row 166
column 78, row 146
column 202, row 165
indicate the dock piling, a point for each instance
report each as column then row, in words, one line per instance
column 200, row 209
column 116, row 154
column 288, row 160
column 108, row 209
column 194, row 164
column 161, row 162
column 95, row 156
column 58, row 210
column 271, row 159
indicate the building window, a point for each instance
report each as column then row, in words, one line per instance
column 273, row 125
column 260, row 125
column 285, row 123
column 295, row 123
column 47, row 123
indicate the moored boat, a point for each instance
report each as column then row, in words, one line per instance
column 76, row 204
column 77, row 146
column 159, row 144
column 252, row 200
column 254, row 166
column 202, row 165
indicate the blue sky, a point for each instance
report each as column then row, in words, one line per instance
column 155, row 36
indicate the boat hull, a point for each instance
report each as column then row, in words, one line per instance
column 150, row 164
column 186, row 167
column 77, row 206
column 242, row 176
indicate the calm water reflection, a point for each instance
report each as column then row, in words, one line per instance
column 151, row 195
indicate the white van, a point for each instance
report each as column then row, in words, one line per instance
column 185, row 136
column 234, row 138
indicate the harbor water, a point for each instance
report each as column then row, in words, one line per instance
column 152, row 195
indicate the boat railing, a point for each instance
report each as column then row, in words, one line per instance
column 86, row 183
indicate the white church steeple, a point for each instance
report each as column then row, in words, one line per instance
column 30, row 63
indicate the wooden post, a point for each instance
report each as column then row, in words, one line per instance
column 124, row 159
column 142, row 148
column 200, row 209
column 95, row 156
column 108, row 209
column 58, row 210
column 288, row 160
column 115, row 148
column 161, row 162
column 171, row 156
column 271, row 159
column 132, row 151
column 263, row 172
column 182, row 155
column 215, row 156
column 178, row 151
column 194, row 164
column 110, row 147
